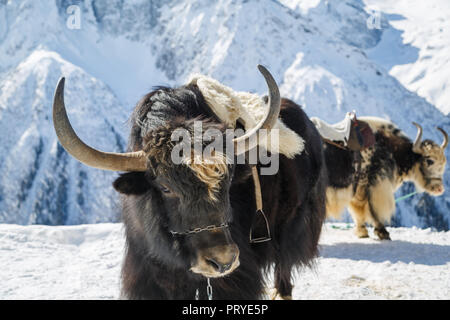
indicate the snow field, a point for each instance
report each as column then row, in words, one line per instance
column 84, row 261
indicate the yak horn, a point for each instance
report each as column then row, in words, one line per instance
column 131, row 161
column 416, row 145
column 445, row 142
column 250, row 138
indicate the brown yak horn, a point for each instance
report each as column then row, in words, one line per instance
column 250, row 137
column 131, row 161
column 418, row 141
column 445, row 142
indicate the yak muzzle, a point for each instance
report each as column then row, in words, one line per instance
column 216, row 261
column 436, row 188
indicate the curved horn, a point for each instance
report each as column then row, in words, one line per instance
column 445, row 142
column 270, row 118
column 416, row 145
column 131, row 161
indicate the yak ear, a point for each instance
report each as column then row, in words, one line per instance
column 132, row 183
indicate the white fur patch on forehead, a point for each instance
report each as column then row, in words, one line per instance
column 222, row 99
column 230, row 106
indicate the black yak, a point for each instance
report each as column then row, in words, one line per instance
column 188, row 224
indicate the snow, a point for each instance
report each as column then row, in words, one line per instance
column 419, row 59
column 414, row 265
column 83, row 262
column 66, row 262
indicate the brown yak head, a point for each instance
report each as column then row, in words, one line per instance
column 429, row 171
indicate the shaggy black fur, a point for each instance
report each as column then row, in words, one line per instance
column 157, row 264
column 341, row 166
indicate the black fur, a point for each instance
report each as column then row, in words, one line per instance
column 341, row 166
column 156, row 264
column 131, row 183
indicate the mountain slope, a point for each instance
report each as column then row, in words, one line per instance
column 420, row 61
column 122, row 49
column 40, row 182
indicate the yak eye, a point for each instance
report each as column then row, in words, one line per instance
column 165, row 189
column 430, row 162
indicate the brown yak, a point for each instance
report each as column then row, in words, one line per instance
column 366, row 185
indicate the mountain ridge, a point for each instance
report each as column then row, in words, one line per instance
column 123, row 49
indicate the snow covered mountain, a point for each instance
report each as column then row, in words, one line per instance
column 420, row 61
column 322, row 53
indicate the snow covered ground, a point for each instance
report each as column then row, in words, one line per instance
column 79, row 262
column 83, row 262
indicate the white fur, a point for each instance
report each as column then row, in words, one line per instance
column 375, row 123
column 230, row 106
column 338, row 200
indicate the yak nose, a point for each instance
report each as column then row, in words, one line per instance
column 217, row 261
column 439, row 189
column 220, row 267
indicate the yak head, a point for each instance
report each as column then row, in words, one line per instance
column 190, row 193
column 429, row 171
column 189, row 197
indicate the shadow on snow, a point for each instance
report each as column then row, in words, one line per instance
column 392, row 251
